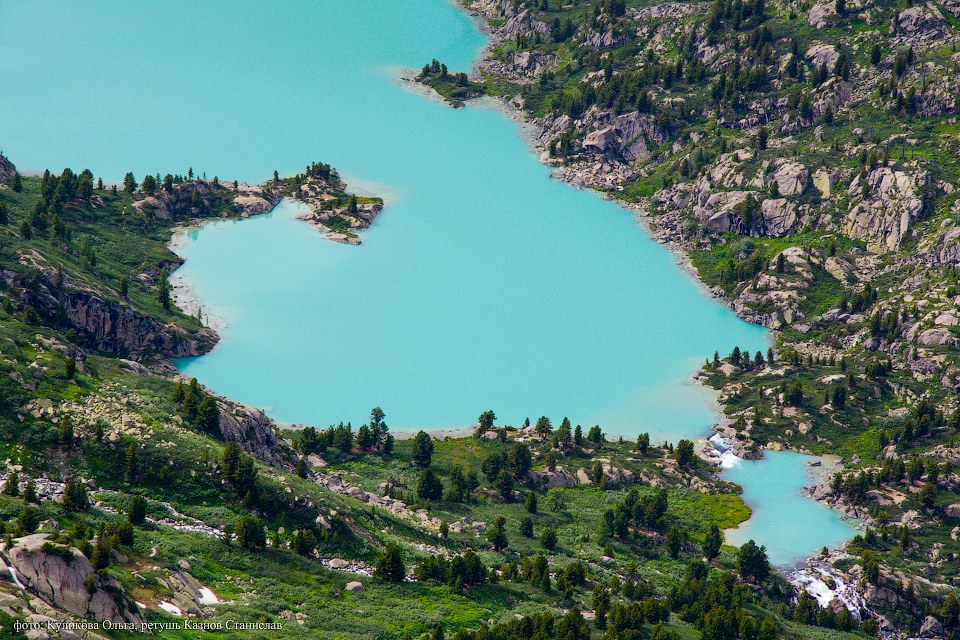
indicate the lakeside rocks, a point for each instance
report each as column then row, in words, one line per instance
column 7, row 170
column 195, row 198
column 330, row 210
column 110, row 326
column 254, row 432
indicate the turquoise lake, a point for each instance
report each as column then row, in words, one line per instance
column 484, row 283
column 789, row 524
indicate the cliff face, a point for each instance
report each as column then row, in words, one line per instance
column 110, row 326
column 63, row 580
column 255, row 433
column 7, row 170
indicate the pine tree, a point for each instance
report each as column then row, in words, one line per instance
column 497, row 534
column 422, row 449
column 429, row 486
column 712, row 542
column 249, row 533
column 12, row 487
column 129, row 183
column 137, row 513
column 75, row 496
column 30, row 492
column 526, row 527
column 548, row 539
column 130, row 462
column 390, row 567
column 531, row 502
column 208, row 415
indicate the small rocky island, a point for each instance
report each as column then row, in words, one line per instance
column 339, row 215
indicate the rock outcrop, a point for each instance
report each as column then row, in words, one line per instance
column 7, row 170
column 889, row 202
column 61, row 575
column 108, row 325
column 194, row 198
column 624, row 138
column 254, row 432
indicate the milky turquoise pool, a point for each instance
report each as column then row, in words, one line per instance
column 789, row 524
column 484, row 284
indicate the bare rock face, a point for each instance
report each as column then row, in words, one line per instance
column 110, row 325
column 931, row 628
column 524, row 23
column 920, row 25
column 607, row 39
column 822, row 54
column 193, row 198
column 835, row 93
column 791, row 177
column 779, row 216
column 254, row 432
column 559, row 477
column 947, row 249
column 626, row 137
column 7, row 170
column 824, row 180
column 822, row 13
column 60, row 578
column 840, row 269
column 936, row 337
column 886, row 208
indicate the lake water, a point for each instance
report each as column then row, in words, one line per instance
column 789, row 524
column 484, row 283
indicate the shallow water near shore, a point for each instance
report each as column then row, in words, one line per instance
column 791, row 525
column 484, row 283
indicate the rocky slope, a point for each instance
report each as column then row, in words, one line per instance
column 802, row 157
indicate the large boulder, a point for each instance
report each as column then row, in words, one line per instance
column 886, row 208
column 822, row 13
column 791, row 177
column 840, row 269
column 822, row 54
column 931, row 628
column 253, row 431
column 936, row 337
column 920, row 24
column 559, row 477
column 946, row 250
column 626, row 137
column 60, row 576
column 7, row 170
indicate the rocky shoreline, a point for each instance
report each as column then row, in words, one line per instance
column 593, row 176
